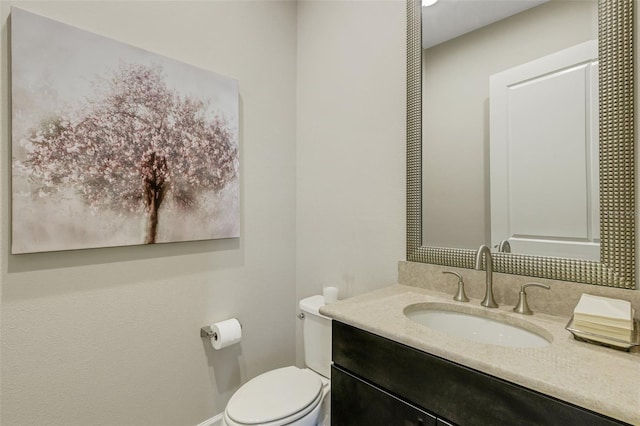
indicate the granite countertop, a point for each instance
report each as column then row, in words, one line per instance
column 600, row 379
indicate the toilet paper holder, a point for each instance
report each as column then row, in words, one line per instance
column 207, row 332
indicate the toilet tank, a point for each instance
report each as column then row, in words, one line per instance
column 316, row 335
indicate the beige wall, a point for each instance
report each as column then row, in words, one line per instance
column 351, row 140
column 111, row 336
column 350, row 198
column 456, row 112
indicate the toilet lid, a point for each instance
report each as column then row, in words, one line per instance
column 274, row 395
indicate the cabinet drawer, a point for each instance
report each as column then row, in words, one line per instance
column 451, row 391
column 355, row 402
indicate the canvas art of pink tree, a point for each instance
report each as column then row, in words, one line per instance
column 135, row 143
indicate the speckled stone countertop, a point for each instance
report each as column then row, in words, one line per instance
column 597, row 378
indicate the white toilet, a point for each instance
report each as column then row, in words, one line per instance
column 290, row 395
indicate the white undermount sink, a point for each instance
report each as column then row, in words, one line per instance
column 478, row 325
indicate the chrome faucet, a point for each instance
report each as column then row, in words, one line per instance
column 488, row 300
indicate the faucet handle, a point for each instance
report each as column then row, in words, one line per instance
column 523, row 307
column 460, row 295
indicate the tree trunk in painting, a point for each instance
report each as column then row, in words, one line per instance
column 155, row 173
column 152, row 225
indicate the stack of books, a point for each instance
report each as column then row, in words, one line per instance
column 604, row 319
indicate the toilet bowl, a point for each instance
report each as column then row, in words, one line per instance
column 290, row 395
column 286, row 396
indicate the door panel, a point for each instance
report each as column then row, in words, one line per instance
column 544, row 155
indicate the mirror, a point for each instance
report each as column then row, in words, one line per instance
column 451, row 194
column 541, row 57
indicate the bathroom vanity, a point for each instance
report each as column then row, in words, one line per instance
column 389, row 370
column 374, row 378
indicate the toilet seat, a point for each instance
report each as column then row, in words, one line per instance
column 275, row 398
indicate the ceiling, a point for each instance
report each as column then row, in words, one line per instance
column 447, row 19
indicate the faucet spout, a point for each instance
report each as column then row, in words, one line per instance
column 485, row 252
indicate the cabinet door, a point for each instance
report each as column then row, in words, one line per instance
column 356, row 402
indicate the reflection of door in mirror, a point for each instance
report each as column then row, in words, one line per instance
column 544, row 155
column 456, row 73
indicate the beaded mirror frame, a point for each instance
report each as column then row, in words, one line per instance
column 617, row 266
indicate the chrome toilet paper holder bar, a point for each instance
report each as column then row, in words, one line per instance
column 207, row 332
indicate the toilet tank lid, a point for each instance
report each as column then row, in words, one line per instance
column 312, row 305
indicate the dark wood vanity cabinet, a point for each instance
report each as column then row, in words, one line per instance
column 369, row 405
column 377, row 381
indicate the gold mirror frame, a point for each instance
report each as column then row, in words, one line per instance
column 617, row 163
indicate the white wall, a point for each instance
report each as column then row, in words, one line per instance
column 111, row 336
column 350, row 198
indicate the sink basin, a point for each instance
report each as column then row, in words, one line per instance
column 478, row 325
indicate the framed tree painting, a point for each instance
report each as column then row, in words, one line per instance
column 114, row 145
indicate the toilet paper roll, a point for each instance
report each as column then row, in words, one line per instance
column 226, row 333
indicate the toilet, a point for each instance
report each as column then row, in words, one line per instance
column 290, row 395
